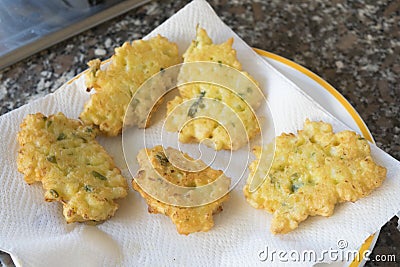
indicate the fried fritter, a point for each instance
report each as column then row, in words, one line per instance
column 311, row 172
column 154, row 163
column 237, row 102
column 131, row 65
column 74, row 169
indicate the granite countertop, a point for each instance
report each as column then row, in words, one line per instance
column 354, row 45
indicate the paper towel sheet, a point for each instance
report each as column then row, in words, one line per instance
column 35, row 232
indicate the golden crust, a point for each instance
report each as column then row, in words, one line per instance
column 73, row 168
column 187, row 219
column 311, row 172
column 131, row 65
column 203, row 49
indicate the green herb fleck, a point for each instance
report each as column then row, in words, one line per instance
column 296, row 186
column 88, row 188
column 99, row 176
column 162, row 159
column 44, row 118
column 52, row 159
column 54, row 193
column 48, row 124
column 162, row 69
column 61, row 136
column 194, row 107
column 361, row 138
column 249, row 90
column 88, row 130
column 220, row 62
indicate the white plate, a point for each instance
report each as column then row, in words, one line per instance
column 335, row 103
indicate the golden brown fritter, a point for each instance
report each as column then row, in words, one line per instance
column 311, row 172
column 240, row 103
column 131, row 65
column 73, row 168
column 154, row 163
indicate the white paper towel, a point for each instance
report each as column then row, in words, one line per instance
column 35, row 232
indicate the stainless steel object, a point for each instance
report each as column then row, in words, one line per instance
column 28, row 26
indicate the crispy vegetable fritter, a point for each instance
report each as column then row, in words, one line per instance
column 153, row 162
column 311, row 172
column 131, row 65
column 240, row 103
column 73, row 168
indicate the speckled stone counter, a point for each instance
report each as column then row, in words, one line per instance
column 354, row 45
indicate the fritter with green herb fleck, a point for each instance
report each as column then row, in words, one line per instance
column 229, row 108
column 153, row 163
column 311, row 172
column 73, row 168
column 131, row 65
